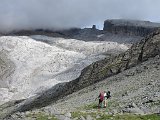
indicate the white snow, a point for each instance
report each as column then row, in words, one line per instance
column 40, row 66
column 99, row 36
column 87, row 48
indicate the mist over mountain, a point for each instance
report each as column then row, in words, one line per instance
column 62, row 14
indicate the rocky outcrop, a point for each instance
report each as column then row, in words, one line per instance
column 142, row 51
column 86, row 34
column 130, row 27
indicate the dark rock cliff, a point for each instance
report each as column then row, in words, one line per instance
column 130, row 27
column 142, row 51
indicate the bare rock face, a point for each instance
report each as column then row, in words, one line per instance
column 130, row 27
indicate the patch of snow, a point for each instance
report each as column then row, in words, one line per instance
column 87, row 48
column 99, row 36
column 5, row 95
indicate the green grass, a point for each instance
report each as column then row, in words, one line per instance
column 94, row 106
column 131, row 117
column 93, row 111
column 91, row 106
column 103, row 116
column 78, row 114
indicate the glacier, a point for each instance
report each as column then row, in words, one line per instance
column 39, row 65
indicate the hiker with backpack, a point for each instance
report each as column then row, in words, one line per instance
column 107, row 95
column 101, row 98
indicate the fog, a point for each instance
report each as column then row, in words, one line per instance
column 63, row 14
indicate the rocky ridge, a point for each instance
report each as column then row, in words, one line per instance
column 130, row 27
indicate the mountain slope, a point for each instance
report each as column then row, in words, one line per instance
column 140, row 52
column 138, row 85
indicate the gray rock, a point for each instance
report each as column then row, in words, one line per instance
column 89, row 117
column 114, row 111
column 82, row 118
column 49, row 118
column 68, row 115
column 97, row 117
column 133, row 109
column 62, row 117
column 28, row 112
column 76, row 118
column 14, row 116
column 111, row 118
column 136, row 111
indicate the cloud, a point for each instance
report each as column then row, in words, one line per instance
column 59, row 14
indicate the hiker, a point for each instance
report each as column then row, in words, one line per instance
column 101, row 98
column 107, row 95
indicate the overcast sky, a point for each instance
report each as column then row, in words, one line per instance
column 48, row 14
